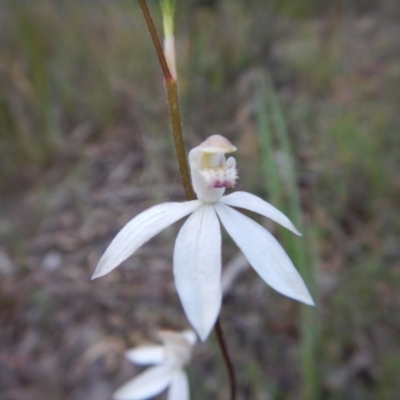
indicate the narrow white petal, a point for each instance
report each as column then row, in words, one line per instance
column 146, row 355
column 197, row 269
column 140, row 230
column 253, row 203
column 264, row 254
column 148, row 384
column 179, row 389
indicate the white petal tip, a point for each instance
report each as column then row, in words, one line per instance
column 204, row 334
column 203, row 337
column 98, row 273
column 311, row 303
column 307, row 300
column 292, row 228
column 204, row 328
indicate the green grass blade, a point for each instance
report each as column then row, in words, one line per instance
column 282, row 188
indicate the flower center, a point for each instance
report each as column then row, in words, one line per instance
column 220, row 176
column 211, row 172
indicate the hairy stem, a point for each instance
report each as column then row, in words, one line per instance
column 171, row 86
column 174, row 111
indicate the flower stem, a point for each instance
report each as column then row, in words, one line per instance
column 156, row 41
column 174, row 112
column 227, row 359
column 171, row 86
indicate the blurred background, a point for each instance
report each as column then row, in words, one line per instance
column 308, row 91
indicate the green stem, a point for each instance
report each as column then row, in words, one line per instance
column 171, row 86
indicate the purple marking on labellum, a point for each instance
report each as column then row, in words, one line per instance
column 221, row 184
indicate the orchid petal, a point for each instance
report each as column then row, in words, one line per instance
column 139, row 230
column 190, row 337
column 177, row 348
column 264, row 254
column 148, row 384
column 253, row 203
column 168, row 336
column 197, row 269
column 179, row 389
column 146, row 355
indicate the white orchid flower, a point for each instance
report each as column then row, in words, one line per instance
column 169, row 359
column 197, row 253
